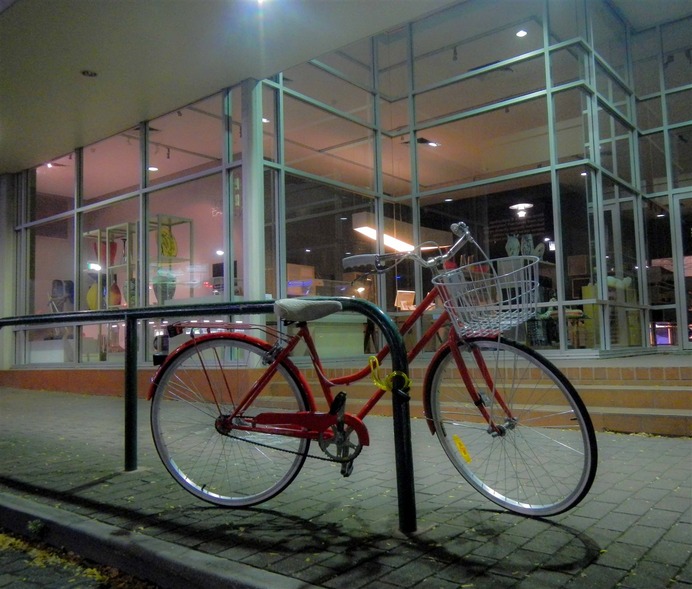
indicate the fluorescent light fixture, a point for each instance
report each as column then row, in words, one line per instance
column 389, row 241
column 521, row 33
column 153, row 169
column 364, row 223
column 220, row 252
column 94, row 266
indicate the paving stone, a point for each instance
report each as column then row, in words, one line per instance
column 327, row 531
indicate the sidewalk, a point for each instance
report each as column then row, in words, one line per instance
column 61, row 474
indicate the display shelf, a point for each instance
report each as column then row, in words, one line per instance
column 112, row 278
column 170, row 247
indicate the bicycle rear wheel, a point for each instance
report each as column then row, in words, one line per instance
column 541, row 460
column 203, row 381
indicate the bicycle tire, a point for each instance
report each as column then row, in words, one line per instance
column 237, row 469
column 543, row 463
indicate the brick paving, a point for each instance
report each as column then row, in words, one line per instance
column 61, row 474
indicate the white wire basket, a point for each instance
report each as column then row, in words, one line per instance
column 489, row 297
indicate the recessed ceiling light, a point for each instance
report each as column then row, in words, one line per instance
column 521, row 33
column 449, row 199
column 265, row 120
column 219, row 252
column 153, row 169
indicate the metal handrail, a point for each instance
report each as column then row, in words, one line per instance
column 400, row 399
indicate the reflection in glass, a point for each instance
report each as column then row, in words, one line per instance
column 53, row 188
column 503, row 141
column 111, row 166
column 572, row 130
column 569, row 64
column 51, row 284
column 510, row 81
column 186, row 141
column 681, row 155
column 320, row 231
column 185, row 242
column 321, row 143
column 472, row 36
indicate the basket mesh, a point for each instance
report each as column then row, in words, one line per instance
column 489, row 297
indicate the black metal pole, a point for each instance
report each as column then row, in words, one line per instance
column 401, row 415
column 130, row 393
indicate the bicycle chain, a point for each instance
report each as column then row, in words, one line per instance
column 322, row 458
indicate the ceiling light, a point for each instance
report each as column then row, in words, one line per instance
column 265, row 120
column 449, row 200
column 220, row 252
column 521, row 208
column 153, row 169
column 521, row 33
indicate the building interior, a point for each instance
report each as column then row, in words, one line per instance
column 168, row 153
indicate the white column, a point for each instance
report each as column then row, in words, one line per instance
column 254, row 262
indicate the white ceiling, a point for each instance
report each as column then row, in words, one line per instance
column 152, row 56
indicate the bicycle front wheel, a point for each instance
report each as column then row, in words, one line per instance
column 540, row 457
column 205, row 381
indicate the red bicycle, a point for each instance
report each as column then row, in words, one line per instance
column 233, row 417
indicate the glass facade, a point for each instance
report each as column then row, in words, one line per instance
column 554, row 105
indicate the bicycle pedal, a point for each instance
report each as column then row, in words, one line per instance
column 338, row 404
column 347, row 468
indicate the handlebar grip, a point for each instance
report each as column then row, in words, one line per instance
column 460, row 229
column 360, row 260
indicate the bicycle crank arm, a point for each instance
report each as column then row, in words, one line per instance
column 314, row 422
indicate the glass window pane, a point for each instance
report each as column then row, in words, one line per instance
column 614, row 146
column 677, row 65
column 53, row 188
column 567, row 20
column 498, row 228
column 660, row 269
column 473, row 35
column 646, row 60
column 572, row 125
column 569, row 65
column 320, row 85
column 396, row 166
column 502, row 141
column 681, row 152
column 322, row 225
column 110, row 264
column 392, row 63
column 50, row 288
column 649, row 113
column 321, row 143
column 354, row 62
column 652, row 161
column 679, row 107
column 185, row 141
column 612, row 91
column 506, row 82
column 111, row 166
column 609, row 38
column 394, row 114
column 185, row 236
column 269, row 121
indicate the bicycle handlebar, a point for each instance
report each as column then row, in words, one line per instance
column 381, row 261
